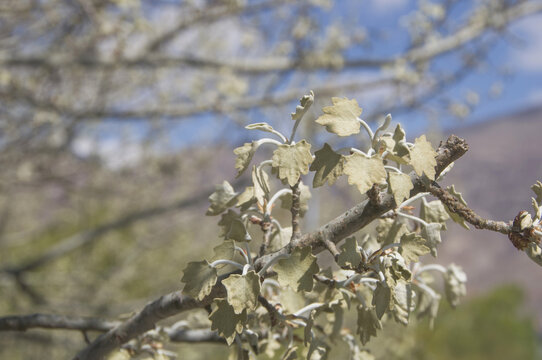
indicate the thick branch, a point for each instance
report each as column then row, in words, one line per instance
column 295, row 209
column 49, row 321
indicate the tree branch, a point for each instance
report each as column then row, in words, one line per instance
column 336, row 230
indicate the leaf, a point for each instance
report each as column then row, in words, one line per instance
column 260, row 180
column 455, row 217
column 537, row 189
column 412, row 247
column 534, row 252
column 244, row 156
column 292, row 160
column 223, row 198
column 290, row 354
column 304, row 196
column 364, row 172
column 199, row 278
column 237, row 231
column 381, row 299
column 400, row 186
column 403, row 303
column 431, row 233
column 390, row 231
column 226, row 251
column 428, row 306
column 422, row 158
column 226, row 221
column 368, row 323
column 263, row 126
column 319, row 348
column 349, row 256
column 434, row 211
column 297, row 270
column 342, row 117
column 246, row 198
column 328, row 166
column 455, row 287
column 280, row 238
column 305, row 103
column 225, row 321
column 243, row 291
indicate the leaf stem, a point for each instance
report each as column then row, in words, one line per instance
column 308, row 308
column 274, row 198
column 414, row 218
column 247, row 260
column 228, row 262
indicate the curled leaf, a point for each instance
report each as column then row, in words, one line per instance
column 412, row 247
column 225, row 321
column 223, row 198
column 455, row 287
column 305, row 103
column 368, row 323
column 244, row 156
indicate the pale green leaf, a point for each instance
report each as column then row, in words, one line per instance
column 422, row 158
column 280, row 238
column 537, row 209
column 292, row 160
column 395, row 269
column 390, row 231
column 455, row 287
column 400, row 186
column 412, row 247
column 244, row 156
column 328, row 166
column 246, row 198
column 537, row 189
column 381, row 299
column 368, row 323
column 304, row 197
column 260, row 180
column 225, row 321
column 434, row 211
column 455, row 217
column 243, row 291
column 342, row 117
column 403, row 303
column 428, row 307
column 297, row 270
column 226, row 251
column 223, row 198
column 364, row 172
column 317, row 350
column 431, row 233
column 226, row 221
column 290, row 354
column 534, row 252
column 349, row 256
column 199, row 278
column 237, row 231
column 305, row 103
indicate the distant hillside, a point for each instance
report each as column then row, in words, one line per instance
column 495, row 176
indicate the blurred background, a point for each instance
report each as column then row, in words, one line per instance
column 118, row 117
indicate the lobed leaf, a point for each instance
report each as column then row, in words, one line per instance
column 244, row 156
column 364, row 172
column 199, row 278
column 243, row 291
column 225, row 321
column 422, row 158
column 305, row 103
column 328, row 166
column 412, row 247
column 349, row 256
column 290, row 161
column 342, row 117
column 400, row 186
column 297, row 270
column 368, row 323
column 223, row 198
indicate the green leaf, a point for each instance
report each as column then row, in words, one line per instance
column 305, row 103
column 237, row 231
column 390, row 231
column 244, row 156
column 455, row 217
column 422, row 158
column 328, row 166
column 400, row 186
column 349, row 256
column 246, row 198
column 412, row 247
column 225, row 321
column 304, row 196
column 395, row 269
column 434, row 211
column 368, row 323
column 226, row 251
column 403, row 303
column 243, row 291
column 381, row 299
column 455, row 287
column 292, row 160
column 226, row 221
column 364, row 172
column 342, row 117
column 263, row 126
column 223, row 198
column 297, row 270
column 280, row 238
column 431, row 233
column 199, row 278
column 537, row 189
column 260, row 180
